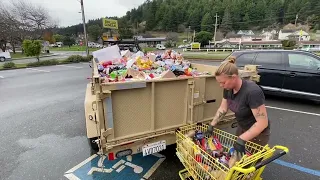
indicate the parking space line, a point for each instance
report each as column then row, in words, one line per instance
column 71, row 66
column 37, row 70
column 291, row 110
column 299, row 168
column 1, row 77
column 81, row 164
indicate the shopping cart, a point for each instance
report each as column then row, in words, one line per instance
column 249, row 167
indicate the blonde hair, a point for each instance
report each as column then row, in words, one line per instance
column 228, row 68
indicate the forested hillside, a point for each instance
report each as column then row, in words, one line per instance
column 178, row 15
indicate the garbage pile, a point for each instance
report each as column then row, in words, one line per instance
column 139, row 66
column 213, row 147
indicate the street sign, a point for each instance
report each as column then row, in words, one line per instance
column 135, row 167
column 109, row 23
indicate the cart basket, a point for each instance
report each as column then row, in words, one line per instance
column 209, row 168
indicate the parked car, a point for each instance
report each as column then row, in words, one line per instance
column 4, row 56
column 160, row 46
column 285, row 72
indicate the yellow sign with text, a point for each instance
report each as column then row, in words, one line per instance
column 110, row 23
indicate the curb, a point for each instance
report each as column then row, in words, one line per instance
column 14, row 68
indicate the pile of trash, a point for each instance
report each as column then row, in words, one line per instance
column 116, row 65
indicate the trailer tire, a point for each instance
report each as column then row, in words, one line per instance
column 94, row 146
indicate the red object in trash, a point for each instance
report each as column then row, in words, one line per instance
column 105, row 64
column 217, row 143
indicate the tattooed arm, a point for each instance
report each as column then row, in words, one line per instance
column 260, row 114
column 221, row 112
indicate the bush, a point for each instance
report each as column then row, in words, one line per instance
column 77, row 58
column 43, row 63
column 8, row 65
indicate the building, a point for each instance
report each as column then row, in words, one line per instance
column 318, row 35
column 245, row 32
column 267, row 35
column 298, row 35
column 149, row 42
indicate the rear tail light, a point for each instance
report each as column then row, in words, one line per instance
column 111, row 156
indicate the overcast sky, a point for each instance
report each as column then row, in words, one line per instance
column 66, row 11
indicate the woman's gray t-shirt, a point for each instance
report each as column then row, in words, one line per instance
column 250, row 96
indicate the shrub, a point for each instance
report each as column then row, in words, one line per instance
column 74, row 59
column 77, row 58
column 43, row 63
column 8, row 65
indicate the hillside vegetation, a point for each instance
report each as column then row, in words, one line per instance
column 178, row 15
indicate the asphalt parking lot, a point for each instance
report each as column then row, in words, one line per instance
column 43, row 128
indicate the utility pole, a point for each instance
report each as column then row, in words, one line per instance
column 295, row 23
column 84, row 28
column 188, row 33
column 194, row 34
column 215, row 30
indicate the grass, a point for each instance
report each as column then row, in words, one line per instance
column 148, row 49
column 205, row 56
column 19, row 55
column 49, row 62
column 72, row 48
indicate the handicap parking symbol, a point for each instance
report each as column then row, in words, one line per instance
column 135, row 167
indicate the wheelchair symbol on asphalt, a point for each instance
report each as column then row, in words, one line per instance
column 133, row 167
column 121, row 163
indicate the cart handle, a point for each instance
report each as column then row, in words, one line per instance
column 284, row 150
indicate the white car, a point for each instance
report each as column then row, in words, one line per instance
column 160, row 46
column 4, row 56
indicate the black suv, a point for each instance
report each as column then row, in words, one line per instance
column 291, row 73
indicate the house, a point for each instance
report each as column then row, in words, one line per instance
column 298, row 35
column 245, row 32
column 284, row 33
column 318, row 35
column 238, row 37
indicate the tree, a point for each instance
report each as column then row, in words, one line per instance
column 58, row 37
column 94, row 32
column 203, row 37
column 226, row 22
column 21, row 20
column 32, row 48
column 69, row 41
column 48, row 36
column 172, row 37
column 207, row 23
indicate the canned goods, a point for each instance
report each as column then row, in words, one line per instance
column 223, row 160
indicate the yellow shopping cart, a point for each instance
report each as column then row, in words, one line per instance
column 209, row 168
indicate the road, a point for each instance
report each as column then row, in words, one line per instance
column 56, row 55
column 43, row 128
column 65, row 54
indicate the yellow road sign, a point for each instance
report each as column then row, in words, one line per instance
column 110, row 23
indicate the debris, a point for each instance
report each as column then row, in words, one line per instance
column 121, row 66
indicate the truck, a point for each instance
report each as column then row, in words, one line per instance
column 142, row 116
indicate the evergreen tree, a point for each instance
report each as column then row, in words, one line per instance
column 226, row 25
column 207, row 23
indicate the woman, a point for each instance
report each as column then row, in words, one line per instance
column 246, row 99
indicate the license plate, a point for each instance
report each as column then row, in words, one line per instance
column 153, row 148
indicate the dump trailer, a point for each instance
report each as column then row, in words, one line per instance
column 142, row 116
